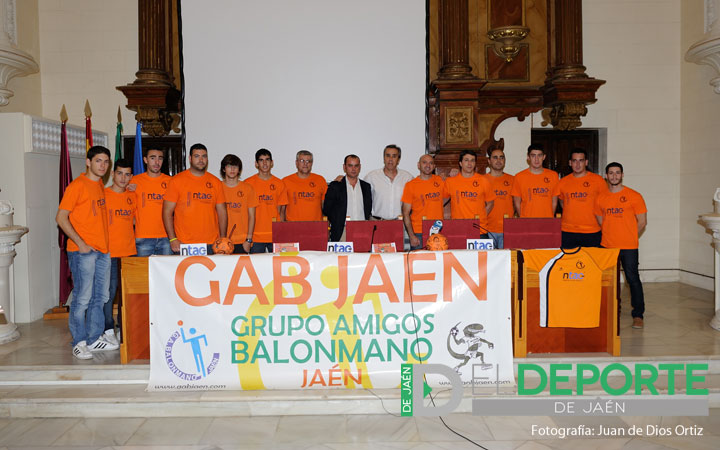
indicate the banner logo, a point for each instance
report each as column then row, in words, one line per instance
column 189, row 343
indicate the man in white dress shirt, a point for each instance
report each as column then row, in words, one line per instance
column 387, row 185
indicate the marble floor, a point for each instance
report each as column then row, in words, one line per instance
column 676, row 324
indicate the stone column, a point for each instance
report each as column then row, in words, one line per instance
column 568, row 55
column 9, row 236
column 13, row 61
column 153, row 52
column 454, row 40
column 711, row 221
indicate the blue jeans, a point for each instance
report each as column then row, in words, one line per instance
column 572, row 240
column 152, row 246
column 419, row 236
column 497, row 239
column 261, row 247
column 114, row 280
column 629, row 260
column 91, row 279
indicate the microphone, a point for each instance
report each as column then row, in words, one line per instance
column 372, row 237
column 477, row 226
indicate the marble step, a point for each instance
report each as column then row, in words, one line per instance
column 132, row 400
column 84, row 374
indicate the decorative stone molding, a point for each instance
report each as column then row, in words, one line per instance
column 46, row 137
column 13, row 61
column 711, row 221
column 707, row 50
column 9, row 236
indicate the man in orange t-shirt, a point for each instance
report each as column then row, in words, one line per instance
column 577, row 192
column 194, row 210
column 82, row 215
column 422, row 198
column 272, row 196
column 501, row 184
column 241, row 202
column 305, row 191
column 121, row 209
column 533, row 187
column 471, row 195
column 149, row 188
column 622, row 214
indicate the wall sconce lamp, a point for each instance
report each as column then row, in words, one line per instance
column 507, row 39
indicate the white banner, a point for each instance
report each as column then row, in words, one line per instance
column 319, row 320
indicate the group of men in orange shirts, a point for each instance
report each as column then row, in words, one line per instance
column 153, row 213
column 595, row 212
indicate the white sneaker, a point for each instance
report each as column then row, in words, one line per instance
column 80, row 351
column 102, row 345
column 110, row 337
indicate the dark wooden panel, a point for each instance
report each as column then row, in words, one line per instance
column 497, row 69
column 502, row 13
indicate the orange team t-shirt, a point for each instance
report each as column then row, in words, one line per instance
column 196, row 220
column 502, row 186
column 121, row 213
column 271, row 194
column 305, row 197
column 578, row 195
column 150, row 193
column 468, row 197
column 618, row 211
column 238, row 199
column 535, row 192
column 570, row 284
column 85, row 199
column 425, row 198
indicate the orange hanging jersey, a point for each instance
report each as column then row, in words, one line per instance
column 121, row 214
column 425, row 198
column 305, row 197
column 570, row 284
column 149, row 196
column 271, row 194
column 535, row 192
column 618, row 211
column 85, row 199
column 195, row 199
column 578, row 195
column 468, row 197
column 238, row 199
column 502, row 186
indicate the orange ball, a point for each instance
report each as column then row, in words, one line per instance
column 223, row 246
column 437, row 242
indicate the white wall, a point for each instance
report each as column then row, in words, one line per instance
column 87, row 48
column 635, row 47
column 700, row 155
column 305, row 75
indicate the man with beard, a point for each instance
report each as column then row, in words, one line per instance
column 194, row 209
column 149, row 187
column 423, row 197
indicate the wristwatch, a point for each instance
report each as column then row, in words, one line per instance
column 249, row 240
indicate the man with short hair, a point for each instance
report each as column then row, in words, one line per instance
column 194, row 209
column 149, row 188
column 121, row 216
column 577, row 193
column 272, row 196
column 305, row 190
column 622, row 214
column 241, row 202
column 82, row 215
column 349, row 198
column 387, row 185
column 501, row 184
column 533, row 187
column 422, row 198
column 471, row 195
